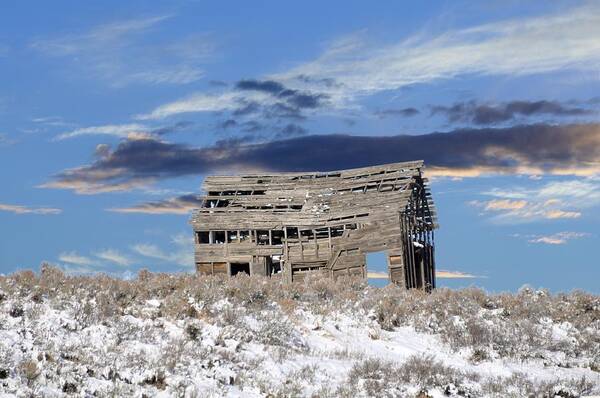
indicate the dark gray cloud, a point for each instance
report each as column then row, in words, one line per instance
column 489, row 114
column 226, row 124
column 247, row 108
column 404, row 112
column 267, row 86
column 291, row 103
column 534, row 148
column 290, row 130
column 177, row 205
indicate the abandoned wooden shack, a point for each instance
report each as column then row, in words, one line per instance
column 292, row 224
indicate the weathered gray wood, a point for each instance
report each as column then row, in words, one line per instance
column 335, row 217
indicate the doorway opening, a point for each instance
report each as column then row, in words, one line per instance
column 377, row 270
column 237, row 268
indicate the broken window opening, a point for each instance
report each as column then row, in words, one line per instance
column 262, row 237
column 291, row 232
column 307, row 233
column 244, row 236
column 203, row 237
column 277, row 237
column 322, row 233
column 337, row 231
column 232, row 237
column 218, row 237
column 237, row 268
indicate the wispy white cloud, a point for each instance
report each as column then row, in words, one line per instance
column 117, row 130
column 440, row 274
column 353, row 67
column 18, row 209
column 125, row 52
column 183, row 255
column 76, row 259
column 114, row 256
column 552, row 201
column 559, row 238
column 202, row 102
column 5, row 141
column 546, row 43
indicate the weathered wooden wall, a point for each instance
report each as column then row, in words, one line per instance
column 325, row 222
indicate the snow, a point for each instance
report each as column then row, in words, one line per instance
column 249, row 350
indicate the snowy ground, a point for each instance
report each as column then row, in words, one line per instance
column 182, row 336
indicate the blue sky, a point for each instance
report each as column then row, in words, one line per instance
column 111, row 114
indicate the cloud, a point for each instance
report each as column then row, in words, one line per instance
column 294, row 98
column 74, row 258
column 555, row 200
column 178, row 205
column 269, row 98
column 117, row 130
column 114, row 256
column 183, row 255
column 5, row 141
column 520, row 211
column 504, row 204
column 444, row 274
column 107, row 52
column 486, row 114
column 521, row 46
column 129, row 130
column 440, row 274
column 291, row 129
column 557, row 213
column 559, row 238
column 17, row 209
column 200, row 102
column 529, row 149
column 404, row 112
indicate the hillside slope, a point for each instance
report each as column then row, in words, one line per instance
column 183, row 335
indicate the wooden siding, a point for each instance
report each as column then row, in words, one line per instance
column 325, row 222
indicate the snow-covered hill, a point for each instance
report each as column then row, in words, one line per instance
column 183, row 335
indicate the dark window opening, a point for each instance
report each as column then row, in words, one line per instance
column 307, row 233
column 222, row 203
column 232, row 237
column 237, row 268
column 337, row 231
column 296, row 207
column 277, row 237
column 292, row 232
column 262, row 237
column 322, row 233
column 244, row 236
column 218, row 237
column 203, row 237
